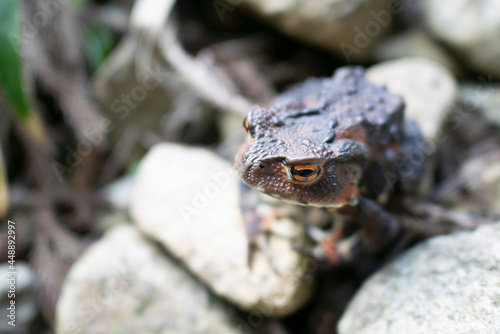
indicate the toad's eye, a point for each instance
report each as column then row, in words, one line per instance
column 249, row 128
column 305, row 173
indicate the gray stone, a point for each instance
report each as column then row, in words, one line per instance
column 188, row 199
column 470, row 28
column 481, row 172
column 350, row 28
column 124, row 283
column 25, row 298
column 481, row 175
column 429, row 90
column 449, row 284
column 484, row 96
column 415, row 43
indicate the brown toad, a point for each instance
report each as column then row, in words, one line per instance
column 334, row 143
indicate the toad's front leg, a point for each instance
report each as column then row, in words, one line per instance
column 377, row 228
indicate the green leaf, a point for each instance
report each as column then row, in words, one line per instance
column 133, row 167
column 98, row 44
column 11, row 77
column 4, row 193
column 77, row 3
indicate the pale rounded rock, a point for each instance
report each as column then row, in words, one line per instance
column 449, row 284
column 188, row 200
column 415, row 43
column 124, row 283
column 349, row 28
column 428, row 89
column 470, row 28
column 482, row 178
column 484, row 96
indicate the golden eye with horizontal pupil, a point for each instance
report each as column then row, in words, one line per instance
column 249, row 129
column 305, row 173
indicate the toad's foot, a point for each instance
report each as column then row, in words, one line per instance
column 376, row 228
column 260, row 226
column 333, row 247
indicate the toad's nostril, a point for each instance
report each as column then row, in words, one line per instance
column 262, row 166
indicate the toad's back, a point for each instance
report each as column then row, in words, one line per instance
column 346, row 106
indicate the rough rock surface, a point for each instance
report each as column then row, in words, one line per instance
column 449, row 284
column 414, row 43
column 429, row 90
column 482, row 175
column 347, row 27
column 125, row 284
column 484, row 96
column 188, row 199
column 470, row 28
